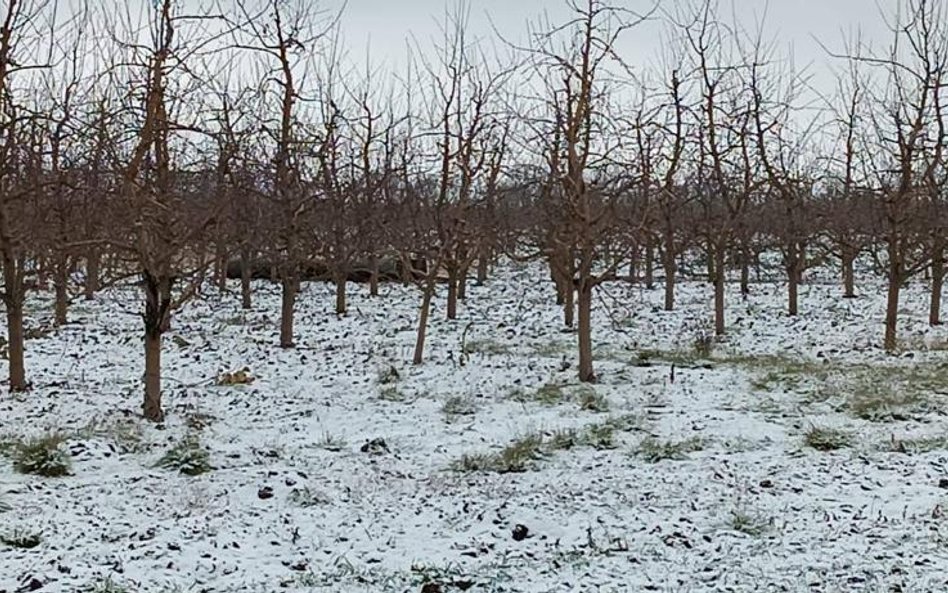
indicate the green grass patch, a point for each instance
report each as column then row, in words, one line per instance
column 188, row 456
column 41, row 456
column 654, row 450
column 749, row 523
column 21, row 539
column 591, row 400
column 916, row 445
column 458, row 406
column 827, row 439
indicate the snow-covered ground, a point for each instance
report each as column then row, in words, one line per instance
column 701, row 479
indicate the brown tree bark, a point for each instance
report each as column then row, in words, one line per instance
column 14, row 298
column 938, row 282
column 151, row 408
column 671, row 270
column 462, row 280
column 290, row 287
column 374, row 276
column 719, row 274
column 452, row 305
column 649, row 264
column 61, row 287
column 220, row 271
column 15, row 346
column 794, row 266
column 245, row 297
column 423, row 314
column 849, row 276
column 745, row 272
column 890, row 341
column 341, row 291
column 157, row 289
column 569, row 307
column 482, row 262
column 586, row 372
column 93, row 264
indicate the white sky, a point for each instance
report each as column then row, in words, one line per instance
column 384, row 25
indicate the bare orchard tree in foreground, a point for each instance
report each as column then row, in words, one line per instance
column 572, row 62
column 284, row 35
column 26, row 46
column 724, row 176
column 167, row 216
column 908, row 143
column 461, row 97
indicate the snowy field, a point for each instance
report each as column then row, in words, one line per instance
column 793, row 456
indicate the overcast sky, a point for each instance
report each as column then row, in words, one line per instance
column 384, row 25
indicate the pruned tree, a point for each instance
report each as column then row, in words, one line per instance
column 27, row 45
column 158, row 196
column 908, row 141
column 284, row 35
column 573, row 61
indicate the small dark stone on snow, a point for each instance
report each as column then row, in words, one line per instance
column 31, row 584
column 766, row 484
column 265, row 493
column 431, row 588
column 375, row 447
column 520, row 533
column 943, row 483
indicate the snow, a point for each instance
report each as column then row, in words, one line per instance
column 857, row 519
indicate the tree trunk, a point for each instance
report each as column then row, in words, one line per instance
column 462, row 281
column 938, row 282
column 745, row 272
column 586, row 371
column 42, row 273
column 17, row 380
column 60, row 282
column 452, row 291
column 634, row 264
column 890, row 341
column 151, row 408
column 793, row 279
column 220, row 270
column 482, row 262
column 157, row 288
column 560, row 284
column 245, row 299
column 340, row 291
column 423, row 322
column 374, row 276
column 290, row 285
column 569, row 299
column 91, row 285
column 718, row 274
column 793, row 291
column 649, row 265
column 407, row 269
column 849, row 275
column 668, row 263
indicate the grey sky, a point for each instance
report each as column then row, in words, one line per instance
column 384, row 25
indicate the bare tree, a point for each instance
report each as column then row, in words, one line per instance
column 575, row 79
column 156, row 191
column 284, row 33
column 908, row 145
column 26, row 45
